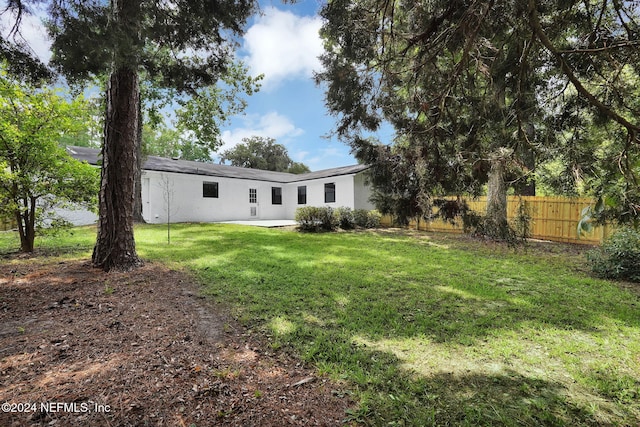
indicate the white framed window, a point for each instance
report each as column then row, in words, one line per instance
column 330, row 192
column 302, row 195
column 253, row 195
column 276, row 195
column 210, row 189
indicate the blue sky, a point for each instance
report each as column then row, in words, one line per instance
column 283, row 44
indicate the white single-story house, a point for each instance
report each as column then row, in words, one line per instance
column 188, row 191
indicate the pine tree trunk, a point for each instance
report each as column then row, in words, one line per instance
column 496, row 225
column 115, row 245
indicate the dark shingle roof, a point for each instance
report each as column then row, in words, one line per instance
column 161, row 164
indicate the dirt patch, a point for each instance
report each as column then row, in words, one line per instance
column 82, row 347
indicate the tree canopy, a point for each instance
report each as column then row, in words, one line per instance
column 475, row 88
column 263, row 153
column 15, row 51
column 195, row 132
column 185, row 46
column 36, row 173
column 163, row 141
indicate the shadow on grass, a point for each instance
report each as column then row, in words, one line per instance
column 349, row 303
column 472, row 399
column 485, row 393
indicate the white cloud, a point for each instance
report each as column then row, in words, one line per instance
column 300, row 156
column 32, row 31
column 324, row 158
column 282, row 45
column 272, row 125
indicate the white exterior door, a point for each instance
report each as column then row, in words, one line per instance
column 253, row 204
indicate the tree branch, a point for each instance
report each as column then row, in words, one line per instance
column 620, row 45
column 534, row 21
column 432, row 28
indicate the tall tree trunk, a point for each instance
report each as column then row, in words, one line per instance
column 115, row 245
column 31, row 224
column 496, row 225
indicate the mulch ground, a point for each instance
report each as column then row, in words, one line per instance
column 82, row 347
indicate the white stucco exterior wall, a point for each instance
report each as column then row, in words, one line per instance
column 182, row 189
column 79, row 216
column 188, row 204
column 362, row 192
column 76, row 216
column 315, row 193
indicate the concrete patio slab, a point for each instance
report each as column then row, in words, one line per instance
column 264, row 223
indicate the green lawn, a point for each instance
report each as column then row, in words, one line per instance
column 425, row 329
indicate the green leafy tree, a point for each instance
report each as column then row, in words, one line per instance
column 474, row 88
column 446, row 76
column 170, row 143
column 397, row 181
column 597, row 61
column 196, row 130
column 90, row 135
column 298, row 167
column 202, row 115
column 594, row 158
column 36, row 174
column 186, row 45
column 263, row 153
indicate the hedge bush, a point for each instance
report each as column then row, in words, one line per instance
column 619, row 256
column 311, row 218
column 328, row 219
column 361, row 218
column 345, row 218
column 373, row 219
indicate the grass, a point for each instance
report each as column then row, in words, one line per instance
column 424, row 329
column 63, row 244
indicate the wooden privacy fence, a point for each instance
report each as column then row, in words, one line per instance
column 552, row 218
column 7, row 224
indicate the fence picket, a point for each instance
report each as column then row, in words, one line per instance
column 553, row 218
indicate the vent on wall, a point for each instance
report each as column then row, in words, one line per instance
column 253, row 211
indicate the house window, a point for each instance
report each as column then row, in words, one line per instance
column 302, row 195
column 276, row 195
column 210, row 189
column 253, row 195
column 330, row 192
